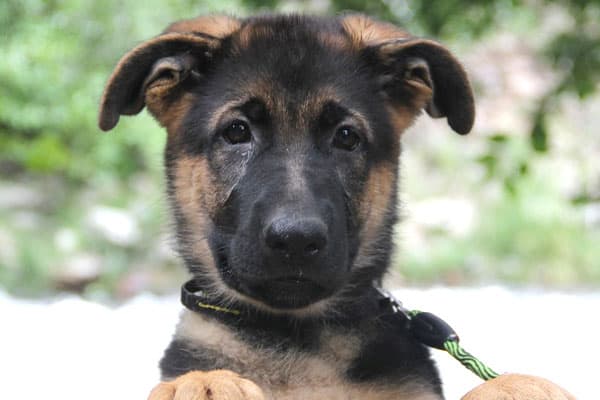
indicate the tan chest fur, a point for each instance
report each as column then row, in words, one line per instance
column 291, row 374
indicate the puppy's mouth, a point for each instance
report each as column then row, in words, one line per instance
column 281, row 292
column 288, row 292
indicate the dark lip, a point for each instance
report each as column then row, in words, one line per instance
column 280, row 282
column 291, row 280
column 283, row 292
column 289, row 292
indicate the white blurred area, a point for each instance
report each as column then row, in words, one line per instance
column 72, row 349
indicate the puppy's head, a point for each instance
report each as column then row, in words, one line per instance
column 283, row 145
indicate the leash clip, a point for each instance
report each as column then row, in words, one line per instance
column 394, row 303
column 432, row 331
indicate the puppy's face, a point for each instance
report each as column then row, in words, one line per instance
column 283, row 145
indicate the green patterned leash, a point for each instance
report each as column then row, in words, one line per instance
column 469, row 360
column 433, row 331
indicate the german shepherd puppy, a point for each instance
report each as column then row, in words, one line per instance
column 282, row 170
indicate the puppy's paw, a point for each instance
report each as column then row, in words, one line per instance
column 518, row 387
column 211, row 385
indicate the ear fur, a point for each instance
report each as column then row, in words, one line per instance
column 416, row 72
column 159, row 65
column 421, row 62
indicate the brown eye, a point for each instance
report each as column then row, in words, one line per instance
column 346, row 138
column 237, row 132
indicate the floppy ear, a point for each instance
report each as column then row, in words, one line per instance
column 155, row 70
column 425, row 74
column 414, row 73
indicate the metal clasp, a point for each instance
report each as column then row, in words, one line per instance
column 395, row 304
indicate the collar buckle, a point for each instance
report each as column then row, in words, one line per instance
column 395, row 304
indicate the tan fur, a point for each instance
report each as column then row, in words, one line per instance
column 421, row 94
column 247, row 33
column 312, row 105
column 401, row 117
column 194, row 193
column 336, row 41
column 218, row 26
column 375, row 202
column 365, row 31
column 211, row 385
column 197, row 190
column 227, row 385
column 169, row 114
column 518, row 387
column 293, row 375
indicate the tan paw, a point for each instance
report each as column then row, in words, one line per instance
column 518, row 387
column 211, row 385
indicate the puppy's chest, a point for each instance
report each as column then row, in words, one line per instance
column 285, row 372
column 275, row 363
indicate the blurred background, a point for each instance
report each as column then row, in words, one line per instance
column 516, row 202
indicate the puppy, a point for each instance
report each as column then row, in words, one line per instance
column 282, row 172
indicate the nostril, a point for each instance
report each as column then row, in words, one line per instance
column 276, row 241
column 279, row 245
column 311, row 250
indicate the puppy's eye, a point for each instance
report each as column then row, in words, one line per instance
column 237, row 132
column 346, row 138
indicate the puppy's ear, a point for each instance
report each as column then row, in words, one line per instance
column 415, row 73
column 425, row 74
column 156, row 70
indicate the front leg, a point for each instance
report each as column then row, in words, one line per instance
column 211, row 385
column 518, row 387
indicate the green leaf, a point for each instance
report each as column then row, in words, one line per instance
column 498, row 138
column 539, row 134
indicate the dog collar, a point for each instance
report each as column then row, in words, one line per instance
column 424, row 327
column 195, row 299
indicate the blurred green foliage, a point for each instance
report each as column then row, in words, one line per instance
column 57, row 54
column 55, row 59
column 530, row 234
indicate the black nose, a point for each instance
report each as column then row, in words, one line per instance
column 297, row 239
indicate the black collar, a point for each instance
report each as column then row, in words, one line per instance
column 375, row 303
column 425, row 327
column 194, row 298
